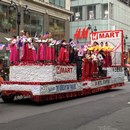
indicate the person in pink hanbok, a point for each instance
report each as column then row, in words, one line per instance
column 23, row 39
column 41, row 49
column 50, row 53
column 13, row 50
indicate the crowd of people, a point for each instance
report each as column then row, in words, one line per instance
column 45, row 49
column 42, row 49
column 96, row 57
column 23, row 49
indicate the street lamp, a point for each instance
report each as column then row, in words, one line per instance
column 26, row 11
column 14, row 6
column 125, row 38
column 92, row 28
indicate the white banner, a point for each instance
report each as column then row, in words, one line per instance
column 60, row 88
column 113, row 37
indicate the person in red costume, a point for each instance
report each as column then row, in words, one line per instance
column 108, row 58
column 63, row 56
column 50, row 52
column 86, row 66
column 41, row 50
column 29, row 50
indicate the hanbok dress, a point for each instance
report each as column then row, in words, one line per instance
column 13, row 51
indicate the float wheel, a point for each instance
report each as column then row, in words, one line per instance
column 8, row 99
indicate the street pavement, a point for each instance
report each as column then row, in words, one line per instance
column 105, row 111
column 125, row 79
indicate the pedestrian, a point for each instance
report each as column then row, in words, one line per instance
column 128, row 74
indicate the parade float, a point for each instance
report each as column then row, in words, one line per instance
column 46, row 81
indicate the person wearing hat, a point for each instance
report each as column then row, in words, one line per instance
column 63, row 56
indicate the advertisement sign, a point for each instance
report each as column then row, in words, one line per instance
column 116, row 74
column 58, row 88
column 81, row 33
column 100, row 83
column 114, row 39
column 65, row 73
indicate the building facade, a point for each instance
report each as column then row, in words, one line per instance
column 34, row 17
column 101, row 15
column 43, row 15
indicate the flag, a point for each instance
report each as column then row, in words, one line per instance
column 58, row 42
column 35, row 35
column 8, row 39
column 80, row 52
column 53, row 43
column 1, row 46
column 72, row 43
column 7, row 47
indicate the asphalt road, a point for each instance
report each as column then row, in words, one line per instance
column 104, row 111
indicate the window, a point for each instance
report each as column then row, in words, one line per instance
column 33, row 23
column 127, row 2
column 59, row 3
column 7, row 20
column 111, row 14
column 62, row 3
column 77, row 13
column 27, row 23
column 52, row 1
column 91, row 12
column 57, row 27
column 105, row 11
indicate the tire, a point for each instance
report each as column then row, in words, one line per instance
column 8, row 99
